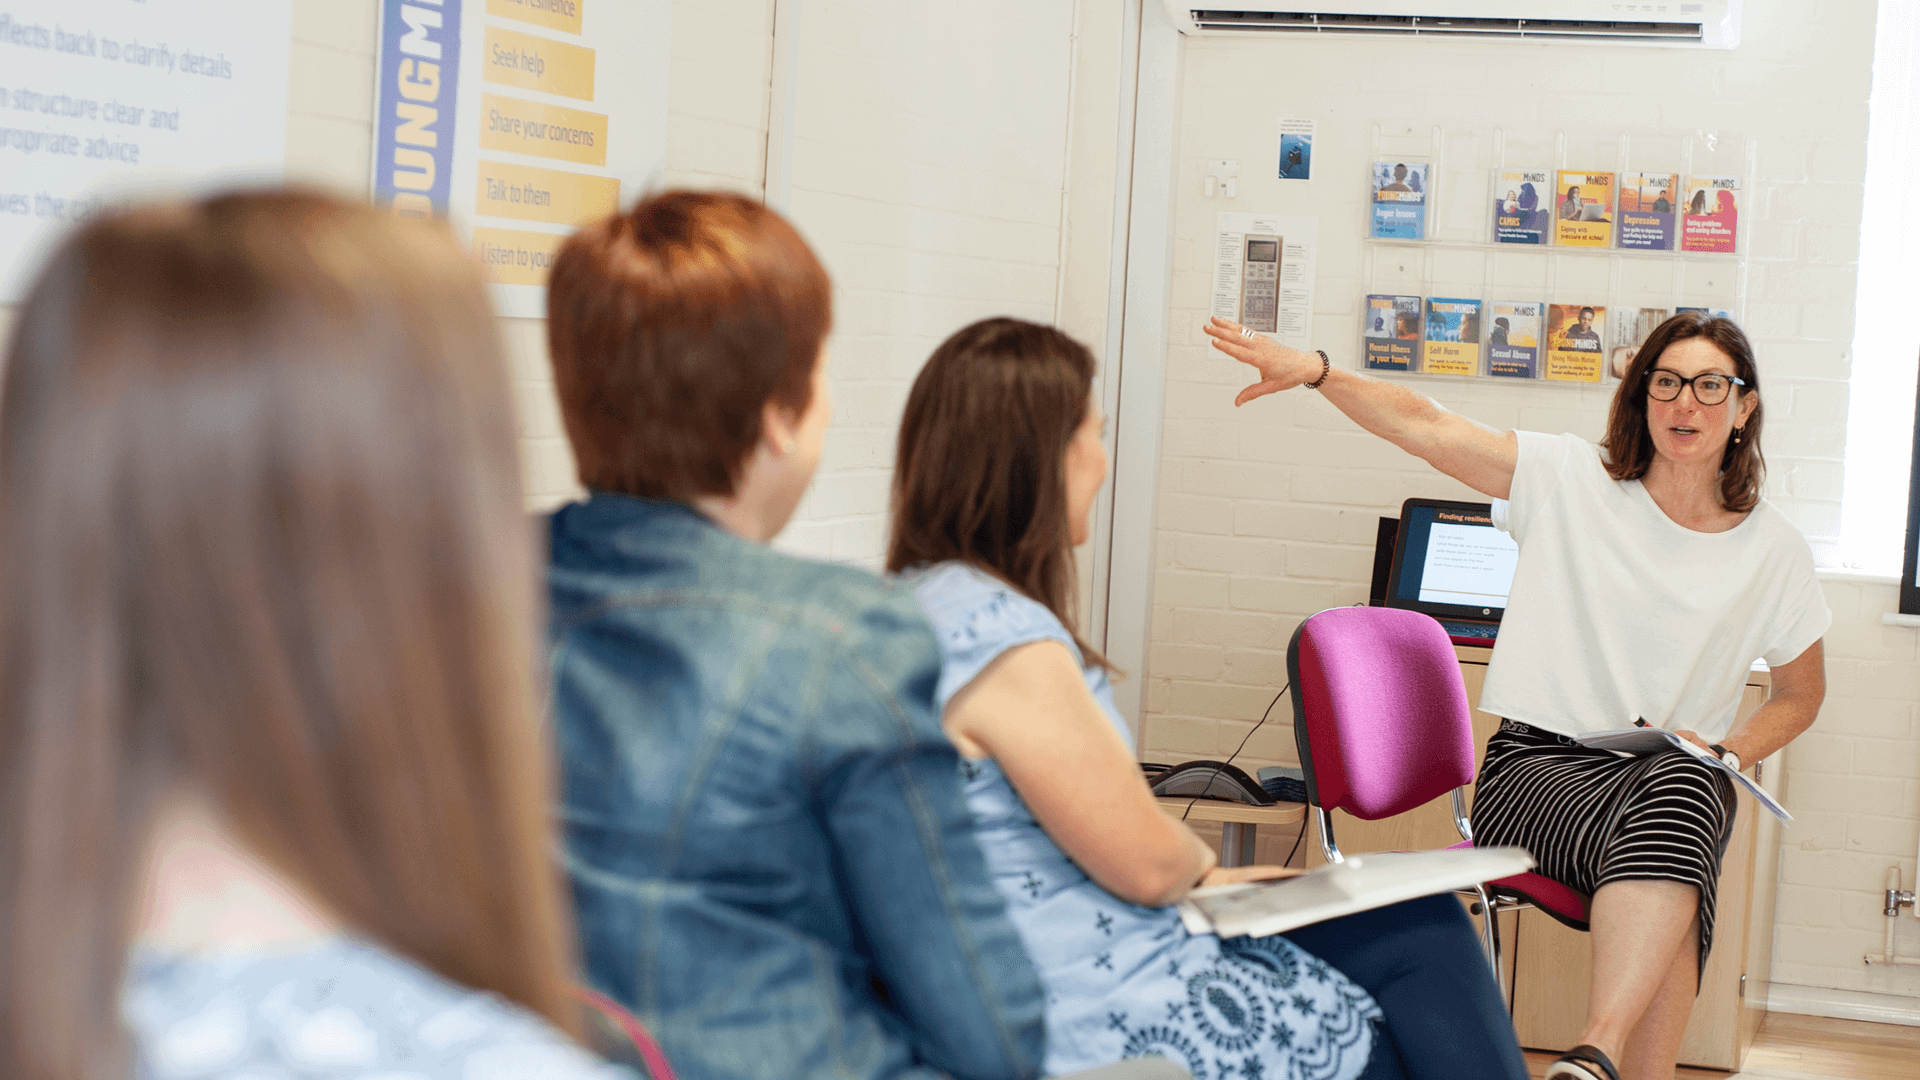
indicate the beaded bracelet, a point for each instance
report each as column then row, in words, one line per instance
column 1326, row 369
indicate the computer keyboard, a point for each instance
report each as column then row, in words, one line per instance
column 1471, row 630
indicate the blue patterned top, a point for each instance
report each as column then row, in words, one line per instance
column 340, row 1008
column 1126, row 981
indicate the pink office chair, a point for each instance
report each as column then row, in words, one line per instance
column 1383, row 726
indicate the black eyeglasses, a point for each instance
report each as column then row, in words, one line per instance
column 1709, row 387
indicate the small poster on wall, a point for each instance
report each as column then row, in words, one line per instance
column 1630, row 329
column 1648, row 210
column 1400, row 199
column 1573, row 341
column 1296, row 149
column 1712, row 220
column 1583, row 210
column 1520, row 211
column 1513, row 344
column 1452, row 344
column 1393, row 333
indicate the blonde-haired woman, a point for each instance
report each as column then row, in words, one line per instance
column 274, row 785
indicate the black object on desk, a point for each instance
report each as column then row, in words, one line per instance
column 1384, row 536
column 1206, row 779
column 1285, row 783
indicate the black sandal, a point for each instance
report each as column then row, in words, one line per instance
column 1583, row 1062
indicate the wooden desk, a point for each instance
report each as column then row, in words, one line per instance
column 1238, row 822
column 1548, row 968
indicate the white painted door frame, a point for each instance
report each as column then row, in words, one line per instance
column 1136, row 349
column 783, row 95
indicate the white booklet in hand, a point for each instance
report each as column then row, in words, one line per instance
column 1649, row 740
column 1361, row 883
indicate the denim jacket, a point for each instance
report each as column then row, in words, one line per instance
column 771, row 858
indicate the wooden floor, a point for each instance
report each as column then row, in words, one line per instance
column 1793, row 1047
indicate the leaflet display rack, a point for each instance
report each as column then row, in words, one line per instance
column 1458, row 260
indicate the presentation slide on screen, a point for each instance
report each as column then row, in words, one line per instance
column 520, row 119
column 102, row 101
column 1468, row 564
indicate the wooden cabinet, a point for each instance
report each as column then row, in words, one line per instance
column 1548, row 967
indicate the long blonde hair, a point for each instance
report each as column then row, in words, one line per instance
column 262, row 538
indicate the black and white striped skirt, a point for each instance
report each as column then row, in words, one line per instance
column 1591, row 816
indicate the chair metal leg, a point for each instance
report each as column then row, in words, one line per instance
column 1462, row 821
column 1328, row 848
column 1490, row 934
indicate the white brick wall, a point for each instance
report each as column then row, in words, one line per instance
column 1853, row 783
column 929, row 156
column 1266, row 514
column 717, row 100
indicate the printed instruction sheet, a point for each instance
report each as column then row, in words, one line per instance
column 1292, row 300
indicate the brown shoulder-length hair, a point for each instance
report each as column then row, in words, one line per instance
column 980, row 474
column 671, row 326
column 262, row 542
column 1629, row 443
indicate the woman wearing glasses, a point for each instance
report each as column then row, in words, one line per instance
column 1652, row 574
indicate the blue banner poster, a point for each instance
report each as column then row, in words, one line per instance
column 419, row 68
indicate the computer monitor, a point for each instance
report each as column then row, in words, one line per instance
column 1386, row 532
column 1449, row 561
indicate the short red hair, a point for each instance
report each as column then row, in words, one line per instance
column 671, row 327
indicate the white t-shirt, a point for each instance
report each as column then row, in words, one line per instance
column 1617, row 612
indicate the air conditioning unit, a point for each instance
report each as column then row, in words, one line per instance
column 1699, row 24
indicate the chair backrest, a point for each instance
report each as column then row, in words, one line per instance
column 1379, row 711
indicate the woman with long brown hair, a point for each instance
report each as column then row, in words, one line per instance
column 1652, row 574
column 999, row 461
column 274, row 786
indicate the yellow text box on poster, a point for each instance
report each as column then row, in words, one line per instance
column 552, row 14
column 516, row 257
column 1451, row 358
column 528, row 127
column 536, row 63
column 534, row 194
column 1573, row 365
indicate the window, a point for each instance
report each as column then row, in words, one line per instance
column 1886, row 333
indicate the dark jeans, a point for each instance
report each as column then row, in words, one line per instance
column 1422, row 961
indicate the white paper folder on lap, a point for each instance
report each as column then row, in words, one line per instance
column 1361, row 883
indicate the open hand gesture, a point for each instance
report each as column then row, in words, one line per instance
column 1280, row 367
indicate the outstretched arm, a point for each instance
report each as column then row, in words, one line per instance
column 1465, row 449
